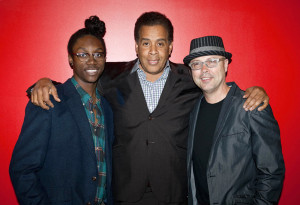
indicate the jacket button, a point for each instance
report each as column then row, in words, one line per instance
column 94, row 178
column 150, row 117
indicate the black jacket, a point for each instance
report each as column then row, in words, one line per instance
column 149, row 148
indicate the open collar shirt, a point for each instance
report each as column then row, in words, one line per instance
column 93, row 110
column 152, row 90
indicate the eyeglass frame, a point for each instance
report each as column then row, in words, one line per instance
column 204, row 62
column 81, row 59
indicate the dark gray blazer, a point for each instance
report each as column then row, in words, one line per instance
column 246, row 164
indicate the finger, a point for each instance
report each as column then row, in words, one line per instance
column 248, row 92
column 46, row 96
column 54, row 93
column 40, row 99
column 246, row 95
column 34, row 97
column 266, row 103
column 256, row 103
column 248, row 103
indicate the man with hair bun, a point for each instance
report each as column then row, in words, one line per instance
column 151, row 98
column 63, row 155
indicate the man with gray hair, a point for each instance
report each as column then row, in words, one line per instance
column 234, row 156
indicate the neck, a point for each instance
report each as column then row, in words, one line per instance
column 90, row 89
column 216, row 95
column 153, row 77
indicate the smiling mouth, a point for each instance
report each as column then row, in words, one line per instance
column 92, row 72
column 153, row 62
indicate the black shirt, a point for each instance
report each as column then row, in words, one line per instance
column 205, row 127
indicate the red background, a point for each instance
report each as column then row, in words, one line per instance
column 262, row 35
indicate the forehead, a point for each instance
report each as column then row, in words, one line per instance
column 88, row 41
column 204, row 58
column 153, row 32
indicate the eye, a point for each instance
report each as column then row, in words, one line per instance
column 161, row 44
column 82, row 55
column 197, row 63
column 145, row 44
column 98, row 55
column 211, row 61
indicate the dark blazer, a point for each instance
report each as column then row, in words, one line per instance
column 54, row 161
column 149, row 148
column 246, row 163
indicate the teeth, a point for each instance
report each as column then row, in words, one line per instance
column 153, row 62
column 91, row 71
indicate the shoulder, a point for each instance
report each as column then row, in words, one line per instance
column 182, row 71
column 114, row 69
column 180, row 68
column 238, row 99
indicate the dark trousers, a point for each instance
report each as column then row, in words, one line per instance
column 149, row 199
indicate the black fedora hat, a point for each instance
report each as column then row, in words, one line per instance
column 207, row 45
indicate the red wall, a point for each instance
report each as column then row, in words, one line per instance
column 262, row 35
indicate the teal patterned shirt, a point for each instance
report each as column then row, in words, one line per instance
column 98, row 133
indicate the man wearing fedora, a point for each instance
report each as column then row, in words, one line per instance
column 234, row 156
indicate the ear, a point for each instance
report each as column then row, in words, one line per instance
column 136, row 48
column 170, row 48
column 70, row 58
column 226, row 65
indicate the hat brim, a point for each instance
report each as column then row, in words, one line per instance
column 190, row 57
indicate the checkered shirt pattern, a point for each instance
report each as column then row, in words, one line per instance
column 98, row 133
column 152, row 90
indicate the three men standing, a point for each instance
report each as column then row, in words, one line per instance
column 151, row 99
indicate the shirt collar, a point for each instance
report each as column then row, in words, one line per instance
column 142, row 74
column 85, row 97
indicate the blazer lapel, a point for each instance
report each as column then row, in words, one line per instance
column 170, row 82
column 75, row 106
column 193, row 122
column 224, row 113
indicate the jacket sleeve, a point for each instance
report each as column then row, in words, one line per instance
column 28, row 156
column 267, row 154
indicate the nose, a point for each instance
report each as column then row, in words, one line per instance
column 204, row 68
column 153, row 49
column 91, row 60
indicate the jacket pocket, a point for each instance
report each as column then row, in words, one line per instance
column 57, row 195
column 242, row 199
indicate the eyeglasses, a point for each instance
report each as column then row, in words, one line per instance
column 84, row 57
column 210, row 63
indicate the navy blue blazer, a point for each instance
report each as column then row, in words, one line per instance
column 54, row 159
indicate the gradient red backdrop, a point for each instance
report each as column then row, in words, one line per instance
column 263, row 37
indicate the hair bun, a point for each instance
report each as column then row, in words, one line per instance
column 95, row 25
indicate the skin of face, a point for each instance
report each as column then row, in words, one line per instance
column 87, row 73
column 153, row 50
column 212, row 80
